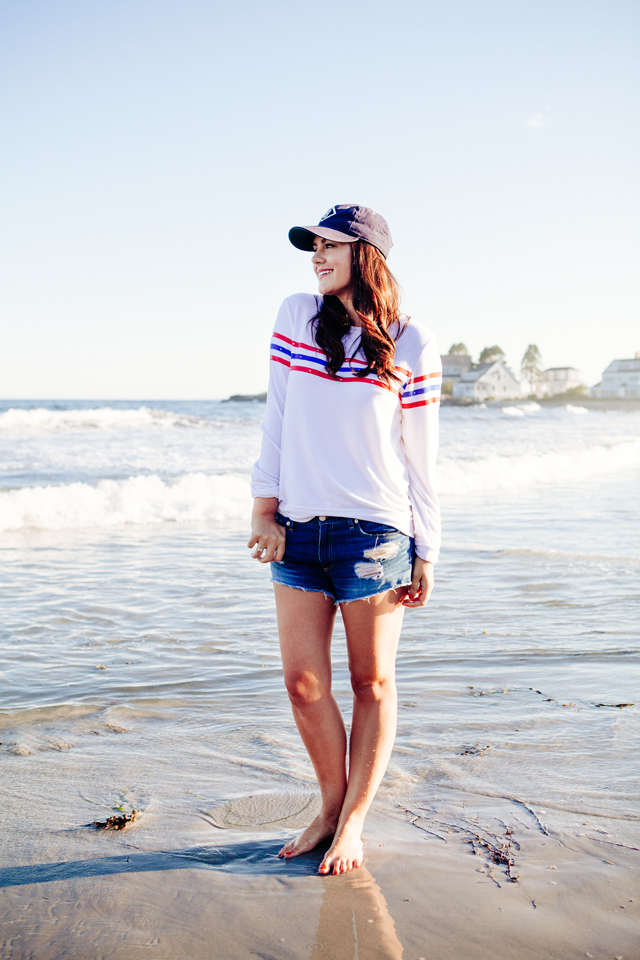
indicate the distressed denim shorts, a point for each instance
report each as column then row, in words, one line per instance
column 345, row 559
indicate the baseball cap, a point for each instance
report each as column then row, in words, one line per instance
column 346, row 223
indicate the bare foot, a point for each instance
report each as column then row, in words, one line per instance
column 315, row 833
column 345, row 853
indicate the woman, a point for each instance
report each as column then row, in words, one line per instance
column 345, row 506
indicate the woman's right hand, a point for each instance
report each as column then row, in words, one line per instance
column 267, row 536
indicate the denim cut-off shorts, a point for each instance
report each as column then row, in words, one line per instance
column 345, row 559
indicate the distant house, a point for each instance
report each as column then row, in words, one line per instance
column 488, row 381
column 558, row 380
column 620, row 379
column 454, row 365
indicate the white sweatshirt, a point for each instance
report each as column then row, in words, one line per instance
column 351, row 447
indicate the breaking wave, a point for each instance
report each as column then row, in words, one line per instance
column 460, row 476
column 200, row 496
column 110, row 503
column 42, row 420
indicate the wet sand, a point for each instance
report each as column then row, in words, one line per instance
column 140, row 668
column 194, row 890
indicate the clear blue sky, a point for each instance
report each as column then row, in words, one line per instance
column 154, row 153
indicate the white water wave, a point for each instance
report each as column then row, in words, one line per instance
column 459, row 476
column 40, row 419
column 512, row 411
column 201, row 496
column 110, row 503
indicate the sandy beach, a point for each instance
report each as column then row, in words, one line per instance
column 141, row 670
column 425, row 891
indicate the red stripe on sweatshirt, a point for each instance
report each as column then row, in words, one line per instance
column 427, row 376
column 326, row 376
column 420, row 403
column 308, row 346
column 296, row 343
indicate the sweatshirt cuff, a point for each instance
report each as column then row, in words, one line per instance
column 427, row 553
column 262, row 488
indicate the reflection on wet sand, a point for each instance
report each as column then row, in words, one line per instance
column 354, row 922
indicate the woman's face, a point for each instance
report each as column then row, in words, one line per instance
column 332, row 264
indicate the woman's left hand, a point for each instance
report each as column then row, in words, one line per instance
column 421, row 584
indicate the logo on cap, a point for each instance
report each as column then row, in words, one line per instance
column 330, row 213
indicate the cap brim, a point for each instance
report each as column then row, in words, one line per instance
column 302, row 237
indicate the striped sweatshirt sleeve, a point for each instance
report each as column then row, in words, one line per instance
column 265, row 479
column 420, row 408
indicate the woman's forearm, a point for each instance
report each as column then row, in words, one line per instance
column 265, row 507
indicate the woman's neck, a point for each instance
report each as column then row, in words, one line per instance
column 352, row 313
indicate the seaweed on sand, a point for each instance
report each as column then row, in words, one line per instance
column 499, row 850
column 474, row 750
column 500, row 853
column 115, row 823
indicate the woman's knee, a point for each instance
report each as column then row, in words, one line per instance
column 304, row 687
column 373, row 686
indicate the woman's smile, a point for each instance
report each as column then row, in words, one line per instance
column 332, row 264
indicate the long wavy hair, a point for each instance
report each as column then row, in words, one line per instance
column 377, row 301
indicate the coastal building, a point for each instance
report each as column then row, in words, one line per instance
column 557, row 380
column 620, row 379
column 488, row 381
column 453, row 366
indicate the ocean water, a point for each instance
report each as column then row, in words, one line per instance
column 139, row 654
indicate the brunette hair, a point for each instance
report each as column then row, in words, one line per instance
column 377, row 300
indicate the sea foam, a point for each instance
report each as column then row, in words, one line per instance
column 471, row 475
column 201, row 496
column 43, row 420
column 144, row 499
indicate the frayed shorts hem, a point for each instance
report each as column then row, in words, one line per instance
column 336, row 601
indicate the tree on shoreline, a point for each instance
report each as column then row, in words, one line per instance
column 491, row 354
column 531, row 366
column 458, row 348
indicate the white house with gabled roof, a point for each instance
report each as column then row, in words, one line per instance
column 454, row 365
column 557, row 380
column 488, row 381
column 620, row 379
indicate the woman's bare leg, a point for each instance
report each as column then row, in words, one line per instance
column 305, row 625
column 373, row 630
